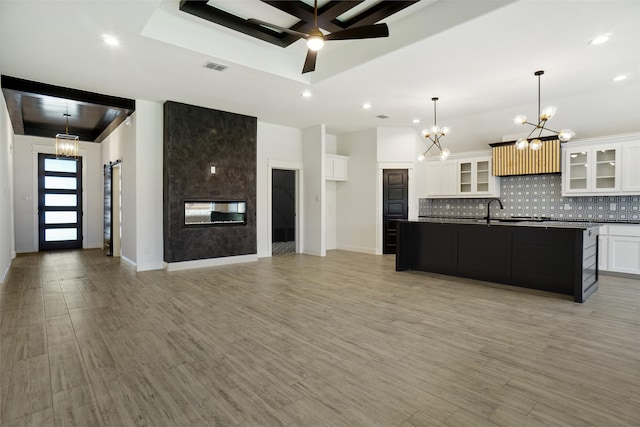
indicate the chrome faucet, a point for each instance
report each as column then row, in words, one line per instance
column 489, row 210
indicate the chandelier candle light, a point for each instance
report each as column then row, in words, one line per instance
column 67, row 145
column 433, row 134
column 547, row 113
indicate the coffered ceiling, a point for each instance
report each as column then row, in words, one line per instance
column 477, row 56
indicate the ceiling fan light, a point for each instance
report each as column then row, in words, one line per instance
column 535, row 145
column 565, row 135
column 444, row 154
column 522, row 143
column 520, row 119
column 547, row 113
column 315, row 42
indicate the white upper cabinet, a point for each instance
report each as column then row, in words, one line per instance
column 442, row 178
column 336, row 167
column 602, row 166
column 465, row 176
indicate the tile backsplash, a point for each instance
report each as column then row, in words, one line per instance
column 540, row 196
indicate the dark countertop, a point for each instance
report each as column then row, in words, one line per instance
column 510, row 222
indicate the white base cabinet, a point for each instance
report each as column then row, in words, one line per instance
column 620, row 248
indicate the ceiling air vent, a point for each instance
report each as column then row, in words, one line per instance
column 215, row 66
column 382, row 116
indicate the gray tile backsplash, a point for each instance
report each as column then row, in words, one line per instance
column 539, row 195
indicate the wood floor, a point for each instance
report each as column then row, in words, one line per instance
column 300, row 340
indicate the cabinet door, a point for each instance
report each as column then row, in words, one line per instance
column 482, row 176
column 434, row 179
column 631, row 168
column 449, row 178
column 340, row 169
column 605, row 173
column 603, row 253
column 577, row 170
column 466, row 178
column 624, row 254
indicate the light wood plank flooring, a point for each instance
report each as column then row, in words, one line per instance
column 300, row 340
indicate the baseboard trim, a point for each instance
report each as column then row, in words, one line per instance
column 209, row 262
column 361, row 249
column 618, row 274
column 128, row 261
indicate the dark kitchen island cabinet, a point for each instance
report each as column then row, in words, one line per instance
column 550, row 256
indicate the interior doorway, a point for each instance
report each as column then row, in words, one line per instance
column 283, row 211
column 59, row 202
column 395, row 205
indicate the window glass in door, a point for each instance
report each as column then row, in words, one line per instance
column 59, row 202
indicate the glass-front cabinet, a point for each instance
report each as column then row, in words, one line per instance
column 592, row 170
column 475, row 176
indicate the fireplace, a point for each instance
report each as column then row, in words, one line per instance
column 214, row 212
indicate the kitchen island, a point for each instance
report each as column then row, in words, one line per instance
column 552, row 256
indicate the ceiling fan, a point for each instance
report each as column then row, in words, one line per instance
column 316, row 38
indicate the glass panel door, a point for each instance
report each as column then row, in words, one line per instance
column 578, row 170
column 605, row 169
column 59, row 202
column 465, row 178
column 482, row 176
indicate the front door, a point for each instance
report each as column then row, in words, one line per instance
column 59, row 202
column 395, row 188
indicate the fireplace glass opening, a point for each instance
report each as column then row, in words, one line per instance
column 215, row 213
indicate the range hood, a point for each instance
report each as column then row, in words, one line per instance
column 508, row 160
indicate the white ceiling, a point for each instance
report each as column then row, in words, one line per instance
column 477, row 56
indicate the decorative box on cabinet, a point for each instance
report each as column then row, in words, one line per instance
column 336, row 167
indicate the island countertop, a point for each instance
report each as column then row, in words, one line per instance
column 509, row 222
column 554, row 256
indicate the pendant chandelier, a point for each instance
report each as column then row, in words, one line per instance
column 547, row 113
column 67, row 145
column 433, row 134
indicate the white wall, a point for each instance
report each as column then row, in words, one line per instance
column 26, row 149
column 149, row 185
column 331, row 199
column 121, row 145
column 313, row 228
column 7, row 242
column 278, row 147
column 356, row 198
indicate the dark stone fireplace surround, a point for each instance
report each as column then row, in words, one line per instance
column 194, row 139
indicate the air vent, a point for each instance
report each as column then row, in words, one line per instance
column 215, row 66
column 382, row 116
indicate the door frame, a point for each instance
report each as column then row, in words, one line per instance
column 50, row 149
column 411, row 196
column 297, row 168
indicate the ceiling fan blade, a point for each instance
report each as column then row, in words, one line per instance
column 364, row 32
column 310, row 61
column 276, row 27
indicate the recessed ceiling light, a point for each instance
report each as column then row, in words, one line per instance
column 110, row 40
column 366, row 105
column 619, row 78
column 416, row 120
column 306, row 94
column 600, row 39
